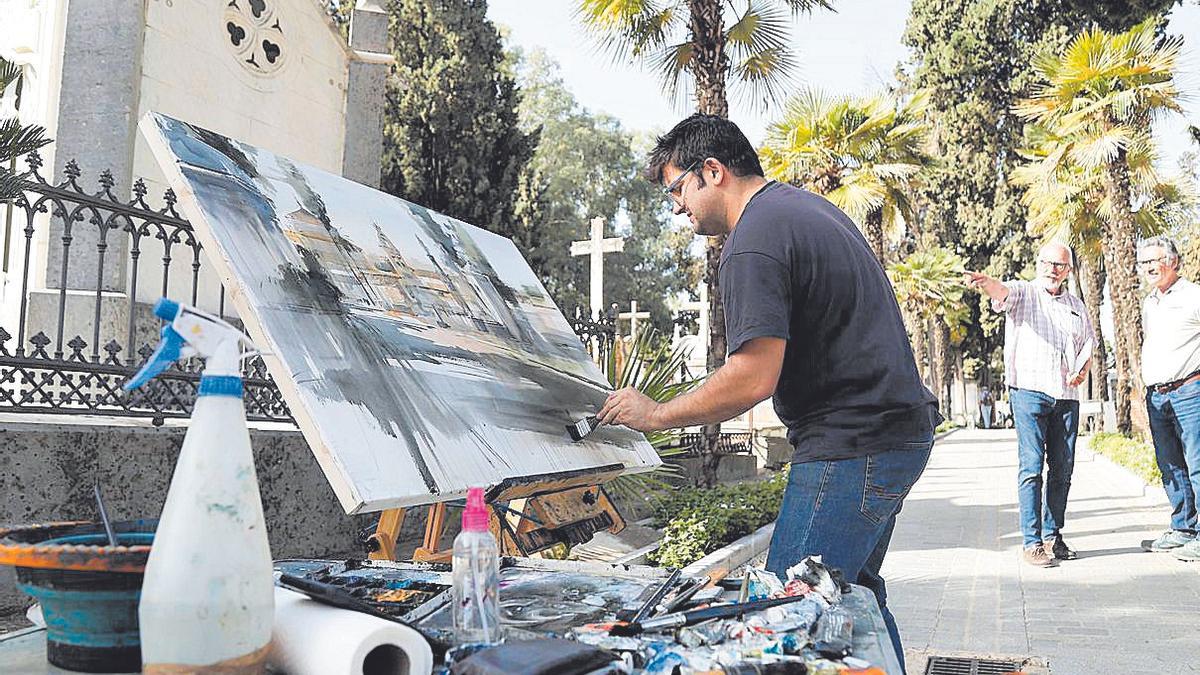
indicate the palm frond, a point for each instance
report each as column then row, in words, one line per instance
column 671, row 65
column 9, row 72
column 802, row 6
column 17, row 139
column 654, row 368
column 760, row 46
column 632, row 29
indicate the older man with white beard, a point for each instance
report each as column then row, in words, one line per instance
column 1048, row 341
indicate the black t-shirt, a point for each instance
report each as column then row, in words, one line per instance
column 796, row 267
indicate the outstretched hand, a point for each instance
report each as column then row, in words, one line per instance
column 976, row 279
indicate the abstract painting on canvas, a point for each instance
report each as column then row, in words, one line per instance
column 420, row 355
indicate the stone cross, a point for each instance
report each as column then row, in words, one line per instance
column 633, row 315
column 596, row 247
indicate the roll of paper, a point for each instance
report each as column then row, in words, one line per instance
column 310, row 638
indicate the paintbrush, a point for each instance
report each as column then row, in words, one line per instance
column 583, row 427
column 108, row 528
column 587, row 425
column 681, row 619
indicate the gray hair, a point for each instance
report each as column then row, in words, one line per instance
column 1055, row 243
column 1162, row 242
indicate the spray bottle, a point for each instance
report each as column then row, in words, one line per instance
column 476, row 576
column 207, row 599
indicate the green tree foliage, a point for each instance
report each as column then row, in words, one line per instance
column 974, row 60
column 451, row 138
column 929, row 289
column 1097, row 98
column 587, row 166
column 1120, row 15
column 863, row 153
column 16, row 139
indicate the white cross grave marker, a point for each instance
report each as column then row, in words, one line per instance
column 633, row 315
column 596, row 247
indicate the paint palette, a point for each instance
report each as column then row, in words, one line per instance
column 537, row 597
column 407, row 591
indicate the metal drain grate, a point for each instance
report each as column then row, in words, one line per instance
column 957, row 665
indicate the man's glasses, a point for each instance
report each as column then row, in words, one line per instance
column 672, row 190
column 1151, row 262
column 1057, row 266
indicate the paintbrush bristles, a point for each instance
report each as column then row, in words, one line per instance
column 583, row 427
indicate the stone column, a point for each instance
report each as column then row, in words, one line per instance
column 97, row 120
column 363, row 150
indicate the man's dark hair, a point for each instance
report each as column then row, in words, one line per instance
column 699, row 137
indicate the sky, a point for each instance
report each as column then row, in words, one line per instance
column 854, row 50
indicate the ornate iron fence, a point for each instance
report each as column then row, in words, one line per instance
column 729, row 443
column 49, row 372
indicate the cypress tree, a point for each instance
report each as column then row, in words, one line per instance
column 451, row 137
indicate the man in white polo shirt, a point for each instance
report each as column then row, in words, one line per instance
column 1171, row 371
column 1048, row 341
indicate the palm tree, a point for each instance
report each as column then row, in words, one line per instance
column 862, row 153
column 16, row 139
column 1099, row 97
column 929, row 288
column 687, row 44
column 1068, row 202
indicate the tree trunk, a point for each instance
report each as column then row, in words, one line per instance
column 941, row 365
column 710, row 66
column 918, row 338
column 873, row 232
column 1091, row 276
column 1120, row 260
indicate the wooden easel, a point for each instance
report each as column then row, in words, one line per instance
column 539, row 513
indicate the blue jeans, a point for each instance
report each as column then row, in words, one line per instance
column 1046, row 429
column 1175, row 427
column 845, row 511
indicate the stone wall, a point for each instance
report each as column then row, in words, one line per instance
column 47, row 470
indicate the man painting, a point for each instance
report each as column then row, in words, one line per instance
column 1048, row 341
column 812, row 321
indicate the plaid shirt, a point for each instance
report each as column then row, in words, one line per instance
column 1047, row 339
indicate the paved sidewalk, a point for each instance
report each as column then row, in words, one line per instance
column 956, row 583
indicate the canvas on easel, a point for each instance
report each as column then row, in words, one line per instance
column 420, row 355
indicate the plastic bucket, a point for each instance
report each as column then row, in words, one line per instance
column 91, row 617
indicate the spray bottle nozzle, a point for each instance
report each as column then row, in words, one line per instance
column 475, row 516
column 166, row 309
column 191, row 332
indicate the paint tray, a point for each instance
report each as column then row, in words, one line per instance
column 537, row 597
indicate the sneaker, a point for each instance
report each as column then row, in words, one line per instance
column 1189, row 552
column 1037, row 556
column 1171, row 539
column 1060, row 549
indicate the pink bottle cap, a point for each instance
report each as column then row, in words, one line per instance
column 475, row 516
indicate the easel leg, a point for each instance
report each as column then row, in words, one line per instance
column 435, row 526
column 382, row 544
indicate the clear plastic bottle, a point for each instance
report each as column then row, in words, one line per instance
column 476, row 571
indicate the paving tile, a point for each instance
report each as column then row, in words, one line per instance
column 957, row 584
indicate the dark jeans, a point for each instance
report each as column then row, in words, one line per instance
column 844, row 511
column 1046, row 429
column 1175, row 426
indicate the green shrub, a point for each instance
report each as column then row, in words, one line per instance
column 946, row 425
column 698, row 521
column 1137, row 456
